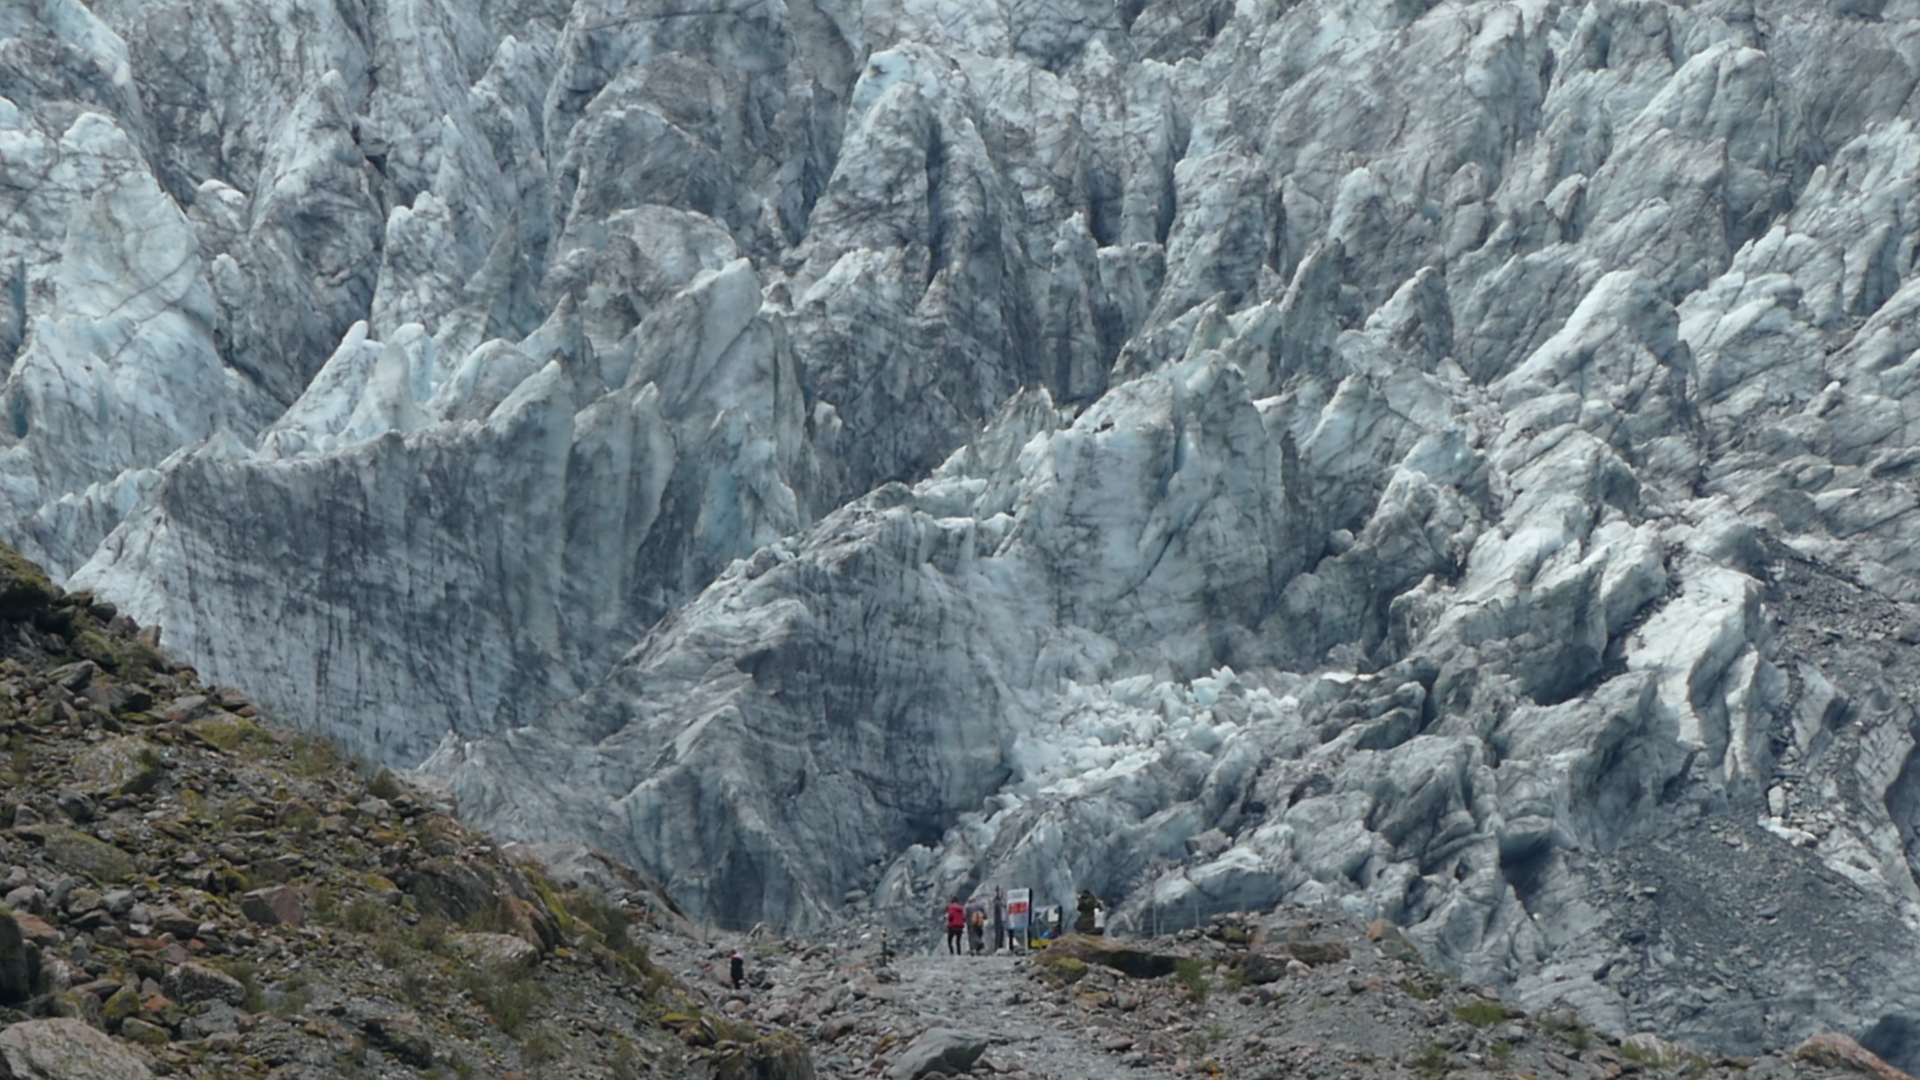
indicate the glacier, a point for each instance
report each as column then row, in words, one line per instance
column 1448, row 460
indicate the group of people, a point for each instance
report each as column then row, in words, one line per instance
column 972, row 920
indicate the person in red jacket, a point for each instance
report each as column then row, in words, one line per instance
column 956, row 925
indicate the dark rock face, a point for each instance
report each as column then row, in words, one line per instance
column 17, row 964
column 1429, row 459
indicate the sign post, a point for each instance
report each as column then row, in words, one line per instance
column 1019, row 913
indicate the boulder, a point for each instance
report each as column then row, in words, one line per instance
column 185, row 709
column 1316, row 953
column 401, row 1035
column 65, row 1049
column 145, row 1032
column 942, row 1050
column 1392, row 943
column 448, row 888
column 1263, row 968
column 222, row 730
column 231, row 698
column 74, row 678
column 38, row 930
column 126, row 765
column 1832, row 1050
column 1654, row 1052
column 119, row 1006
column 76, row 805
column 119, row 697
column 1140, row 963
column 496, row 951
column 24, row 587
column 74, row 850
column 192, row 983
column 168, row 919
column 275, row 905
column 18, row 961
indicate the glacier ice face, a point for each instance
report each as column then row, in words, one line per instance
column 1449, row 461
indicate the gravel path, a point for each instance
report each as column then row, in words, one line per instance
column 1045, row 1034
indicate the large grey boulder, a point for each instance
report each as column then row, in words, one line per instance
column 65, row 1049
column 947, row 1051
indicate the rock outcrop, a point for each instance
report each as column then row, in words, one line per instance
column 1450, row 461
column 255, row 907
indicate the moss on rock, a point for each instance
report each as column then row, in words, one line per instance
column 24, row 587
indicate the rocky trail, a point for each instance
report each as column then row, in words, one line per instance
column 1041, row 1033
column 1287, row 994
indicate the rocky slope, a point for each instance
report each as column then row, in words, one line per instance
column 187, row 892
column 1446, row 461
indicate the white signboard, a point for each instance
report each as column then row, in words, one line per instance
column 1019, row 908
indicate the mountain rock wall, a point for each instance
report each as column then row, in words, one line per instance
column 1450, row 461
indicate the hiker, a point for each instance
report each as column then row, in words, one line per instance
column 737, row 967
column 1087, row 904
column 999, row 918
column 977, row 927
column 956, row 925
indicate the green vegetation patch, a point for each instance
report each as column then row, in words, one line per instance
column 1480, row 1013
column 1189, row 974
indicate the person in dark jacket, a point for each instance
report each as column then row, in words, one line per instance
column 999, row 918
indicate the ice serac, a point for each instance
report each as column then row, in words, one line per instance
column 1448, row 460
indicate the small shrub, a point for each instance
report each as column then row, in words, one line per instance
column 493, row 918
column 301, row 818
column 1187, row 972
column 391, row 952
column 510, row 1003
column 626, row 1063
column 1480, row 1013
column 311, row 755
column 542, row 1045
column 413, row 987
column 1580, row 1038
column 1431, row 1060
column 291, row 998
column 326, row 906
column 1419, row 991
column 369, row 916
column 614, row 927
column 1502, row 1052
column 432, row 935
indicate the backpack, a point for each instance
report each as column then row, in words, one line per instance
column 979, row 917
